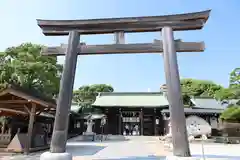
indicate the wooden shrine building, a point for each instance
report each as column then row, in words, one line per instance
column 30, row 118
column 147, row 113
column 126, row 111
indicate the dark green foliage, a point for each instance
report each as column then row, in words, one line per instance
column 235, row 79
column 205, row 88
column 86, row 95
column 227, row 93
column 25, row 67
column 231, row 114
column 199, row 88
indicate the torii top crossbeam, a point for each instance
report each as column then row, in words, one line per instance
column 178, row 22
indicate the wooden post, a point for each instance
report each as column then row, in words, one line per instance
column 30, row 129
column 141, row 121
column 10, row 130
column 59, row 137
column 178, row 122
column 154, row 122
column 120, row 122
column 119, row 38
column 4, row 125
column 105, row 127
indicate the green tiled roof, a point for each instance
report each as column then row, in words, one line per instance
column 207, row 103
column 195, row 110
column 131, row 99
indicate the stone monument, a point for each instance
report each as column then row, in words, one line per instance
column 197, row 126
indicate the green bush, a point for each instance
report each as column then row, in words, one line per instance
column 231, row 114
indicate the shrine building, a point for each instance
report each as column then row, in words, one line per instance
column 147, row 113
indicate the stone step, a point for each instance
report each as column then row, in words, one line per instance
column 6, row 154
column 142, row 138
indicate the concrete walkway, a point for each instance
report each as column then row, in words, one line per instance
column 134, row 149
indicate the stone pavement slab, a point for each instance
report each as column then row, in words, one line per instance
column 135, row 150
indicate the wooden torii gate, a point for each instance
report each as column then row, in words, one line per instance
column 165, row 24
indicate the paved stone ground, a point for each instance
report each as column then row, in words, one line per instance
column 134, row 150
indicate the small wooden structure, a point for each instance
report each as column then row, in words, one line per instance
column 23, row 105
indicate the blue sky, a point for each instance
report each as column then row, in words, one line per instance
column 132, row 72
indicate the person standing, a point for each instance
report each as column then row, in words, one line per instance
column 127, row 129
column 103, row 122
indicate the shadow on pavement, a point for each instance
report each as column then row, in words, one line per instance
column 219, row 156
column 83, row 150
column 139, row 158
column 98, row 141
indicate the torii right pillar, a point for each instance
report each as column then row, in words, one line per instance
column 174, row 95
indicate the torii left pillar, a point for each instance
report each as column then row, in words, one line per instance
column 60, row 130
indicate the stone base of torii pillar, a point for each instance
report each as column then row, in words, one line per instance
column 55, row 156
column 182, row 158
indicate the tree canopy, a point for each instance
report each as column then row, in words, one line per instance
column 199, row 88
column 231, row 114
column 86, row 95
column 235, row 79
column 24, row 66
column 234, row 84
column 226, row 93
column 205, row 88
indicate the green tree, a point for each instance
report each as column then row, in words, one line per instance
column 199, row 88
column 86, row 95
column 234, row 83
column 226, row 93
column 235, row 79
column 231, row 114
column 24, row 66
